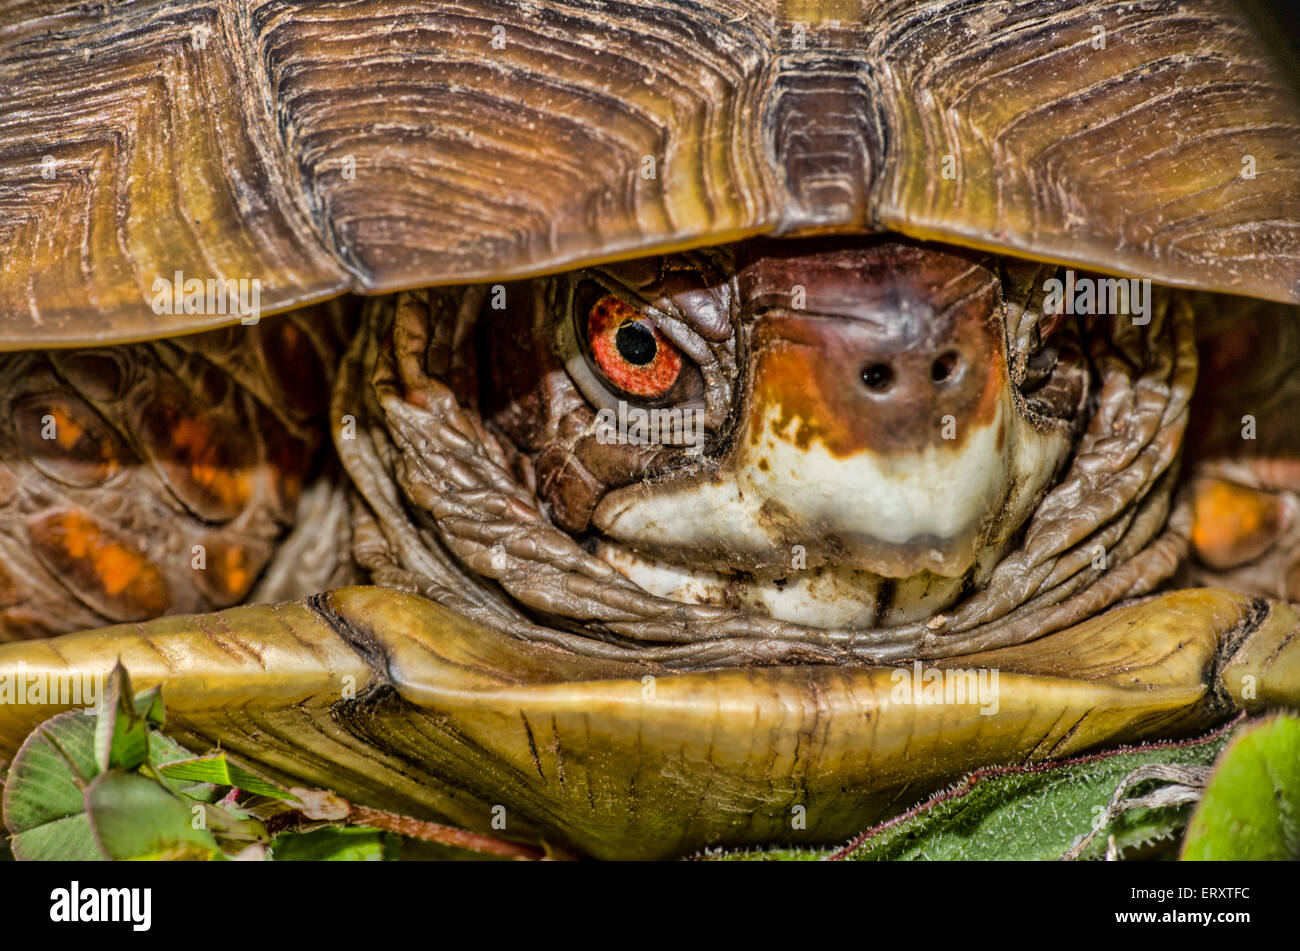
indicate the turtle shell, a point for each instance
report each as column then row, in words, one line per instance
column 371, row 147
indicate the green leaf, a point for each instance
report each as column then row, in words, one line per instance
column 233, row 828
column 1251, row 806
column 44, row 807
column 89, row 786
column 1020, row 813
column 44, row 798
column 334, row 844
column 134, row 817
column 219, row 770
column 149, row 706
column 121, row 731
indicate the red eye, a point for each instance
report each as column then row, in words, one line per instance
column 630, row 350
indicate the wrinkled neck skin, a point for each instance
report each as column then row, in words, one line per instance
column 816, row 451
column 873, row 462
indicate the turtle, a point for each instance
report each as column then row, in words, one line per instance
column 624, row 427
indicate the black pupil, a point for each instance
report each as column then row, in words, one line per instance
column 636, row 344
column 878, row 376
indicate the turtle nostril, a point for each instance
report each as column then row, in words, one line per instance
column 877, row 376
column 944, row 367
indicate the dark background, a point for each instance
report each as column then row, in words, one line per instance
column 1285, row 32
column 1287, row 14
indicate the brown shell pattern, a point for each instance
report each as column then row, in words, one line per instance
column 155, row 478
column 379, row 146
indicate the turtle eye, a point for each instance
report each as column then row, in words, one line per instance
column 630, row 351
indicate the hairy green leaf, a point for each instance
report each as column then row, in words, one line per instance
column 1035, row 812
column 44, row 807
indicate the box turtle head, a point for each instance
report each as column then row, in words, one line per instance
column 822, row 431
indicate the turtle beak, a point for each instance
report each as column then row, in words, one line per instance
column 878, row 432
column 890, row 452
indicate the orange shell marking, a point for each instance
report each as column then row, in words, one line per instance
column 109, row 575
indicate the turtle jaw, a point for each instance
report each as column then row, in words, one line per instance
column 829, row 596
column 782, row 506
column 861, row 542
